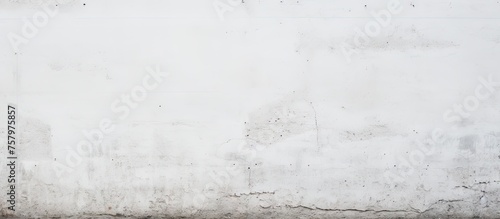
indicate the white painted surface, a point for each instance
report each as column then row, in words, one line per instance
column 261, row 114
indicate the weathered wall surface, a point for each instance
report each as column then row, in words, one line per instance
column 253, row 109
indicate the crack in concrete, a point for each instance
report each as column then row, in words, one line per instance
column 440, row 201
column 250, row 194
column 316, row 123
column 353, row 209
column 412, row 210
column 471, row 187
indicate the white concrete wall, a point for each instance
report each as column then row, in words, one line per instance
column 272, row 108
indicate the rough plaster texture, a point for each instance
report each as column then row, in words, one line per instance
column 261, row 114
